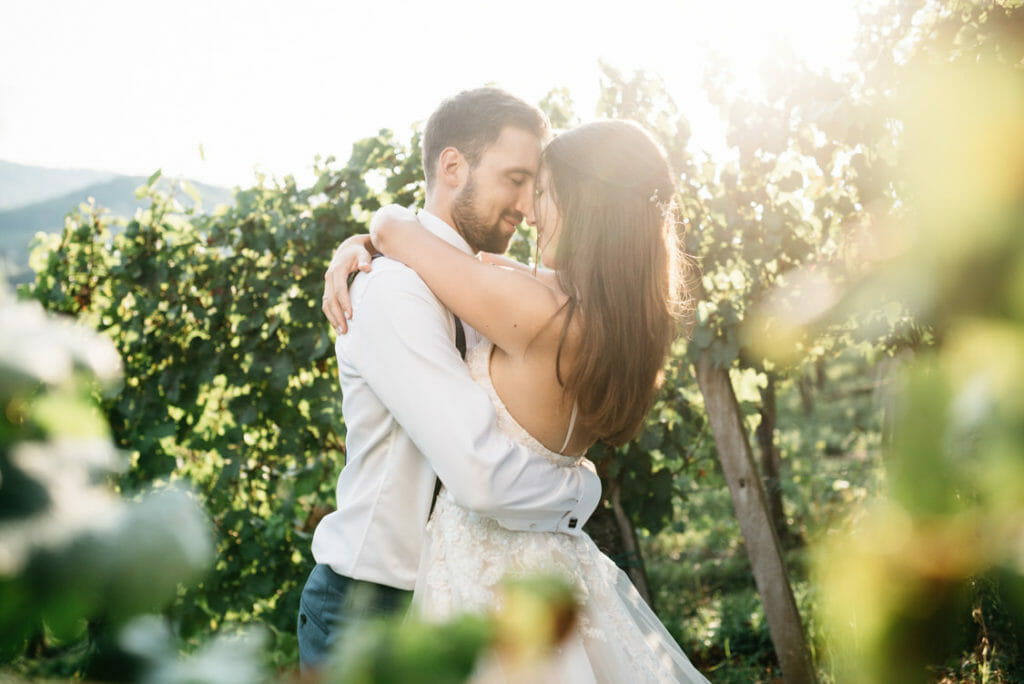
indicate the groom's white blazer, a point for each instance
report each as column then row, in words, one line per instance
column 411, row 410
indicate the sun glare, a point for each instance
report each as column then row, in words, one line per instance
column 748, row 34
column 744, row 37
column 249, row 105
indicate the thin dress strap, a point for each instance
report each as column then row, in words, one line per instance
column 572, row 423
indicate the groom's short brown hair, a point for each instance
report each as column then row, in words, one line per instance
column 472, row 120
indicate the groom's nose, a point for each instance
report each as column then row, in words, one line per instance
column 524, row 204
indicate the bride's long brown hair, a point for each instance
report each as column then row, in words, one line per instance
column 618, row 260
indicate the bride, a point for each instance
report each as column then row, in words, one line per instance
column 574, row 356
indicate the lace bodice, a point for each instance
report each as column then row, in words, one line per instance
column 479, row 361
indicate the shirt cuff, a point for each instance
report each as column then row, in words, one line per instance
column 571, row 522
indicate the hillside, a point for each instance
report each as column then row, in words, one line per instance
column 18, row 225
column 21, row 185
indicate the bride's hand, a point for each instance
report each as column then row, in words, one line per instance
column 387, row 221
column 352, row 255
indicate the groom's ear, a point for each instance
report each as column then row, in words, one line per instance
column 452, row 168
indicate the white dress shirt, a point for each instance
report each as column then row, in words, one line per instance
column 411, row 409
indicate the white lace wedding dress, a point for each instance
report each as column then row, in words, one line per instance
column 617, row 639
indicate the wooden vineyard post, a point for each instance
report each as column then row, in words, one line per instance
column 750, row 502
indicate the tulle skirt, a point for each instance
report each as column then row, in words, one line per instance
column 617, row 638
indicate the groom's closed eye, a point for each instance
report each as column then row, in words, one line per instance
column 518, row 176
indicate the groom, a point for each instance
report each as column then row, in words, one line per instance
column 412, row 412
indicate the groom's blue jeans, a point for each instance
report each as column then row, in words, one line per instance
column 332, row 603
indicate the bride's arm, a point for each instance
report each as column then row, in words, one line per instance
column 507, row 306
column 545, row 275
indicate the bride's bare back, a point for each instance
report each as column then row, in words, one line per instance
column 521, row 314
column 528, row 386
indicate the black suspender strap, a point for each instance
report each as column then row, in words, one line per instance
column 433, row 501
column 460, row 344
column 460, row 337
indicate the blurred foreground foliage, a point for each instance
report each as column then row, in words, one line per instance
column 510, row 644
column 80, row 566
column 929, row 581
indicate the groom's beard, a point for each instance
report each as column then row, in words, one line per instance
column 481, row 235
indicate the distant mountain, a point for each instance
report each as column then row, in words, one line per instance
column 117, row 193
column 21, row 185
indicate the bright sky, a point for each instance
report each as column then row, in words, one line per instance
column 136, row 85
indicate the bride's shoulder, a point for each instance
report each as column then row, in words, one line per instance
column 564, row 329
